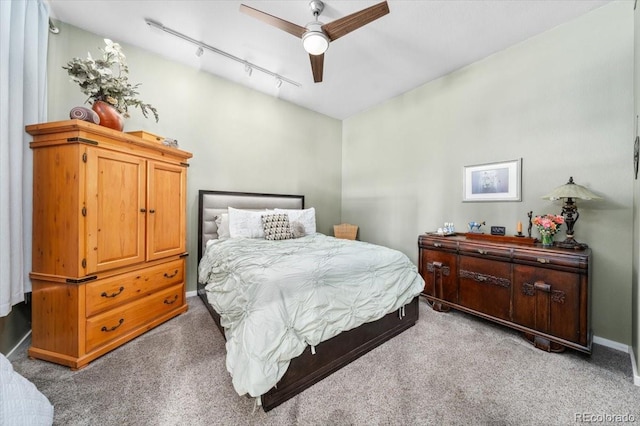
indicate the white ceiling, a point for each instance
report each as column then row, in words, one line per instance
column 418, row 41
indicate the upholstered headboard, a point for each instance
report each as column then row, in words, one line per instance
column 213, row 203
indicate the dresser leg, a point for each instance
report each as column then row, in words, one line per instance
column 543, row 343
column 437, row 306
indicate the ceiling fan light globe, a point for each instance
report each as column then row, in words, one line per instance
column 315, row 42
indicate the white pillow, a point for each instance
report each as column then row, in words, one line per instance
column 222, row 222
column 307, row 217
column 245, row 223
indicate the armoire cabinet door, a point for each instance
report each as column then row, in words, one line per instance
column 116, row 209
column 166, row 203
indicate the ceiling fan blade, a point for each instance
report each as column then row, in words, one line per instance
column 317, row 64
column 287, row 26
column 345, row 25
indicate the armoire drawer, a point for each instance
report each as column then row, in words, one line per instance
column 114, row 291
column 110, row 325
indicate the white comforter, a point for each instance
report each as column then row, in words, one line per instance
column 277, row 297
column 21, row 403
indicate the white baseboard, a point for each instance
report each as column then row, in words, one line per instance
column 19, row 343
column 192, row 293
column 611, row 344
column 622, row 348
column 636, row 375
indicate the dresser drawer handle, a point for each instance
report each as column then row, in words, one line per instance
column 172, row 275
column 104, row 293
column 105, row 329
column 482, row 251
column 171, row 302
column 543, row 260
column 542, row 286
column 438, row 245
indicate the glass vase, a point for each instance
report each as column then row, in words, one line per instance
column 547, row 240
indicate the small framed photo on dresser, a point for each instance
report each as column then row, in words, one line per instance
column 493, row 181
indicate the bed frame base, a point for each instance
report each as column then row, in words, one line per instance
column 333, row 354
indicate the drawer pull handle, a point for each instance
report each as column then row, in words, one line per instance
column 171, row 302
column 438, row 245
column 543, row 260
column 482, row 251
column 542, row 286
column 172, row 275
column 104, row 293
column 105, row 329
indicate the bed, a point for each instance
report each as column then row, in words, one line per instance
column 318, row 357
column 21, row 403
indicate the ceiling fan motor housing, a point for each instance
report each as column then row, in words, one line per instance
column 314, row 40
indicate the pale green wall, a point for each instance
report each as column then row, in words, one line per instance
column 241, row 140
column 561, row 101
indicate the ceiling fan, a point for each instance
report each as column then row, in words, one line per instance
column 316, row 35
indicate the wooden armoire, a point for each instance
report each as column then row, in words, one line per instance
column 109, row 239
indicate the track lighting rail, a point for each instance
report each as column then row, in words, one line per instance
column 279, row 78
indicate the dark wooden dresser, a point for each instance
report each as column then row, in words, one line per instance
column 543, row 292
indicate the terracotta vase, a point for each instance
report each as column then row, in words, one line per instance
column 109, row 116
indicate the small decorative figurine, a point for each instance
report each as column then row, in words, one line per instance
column 474, row 227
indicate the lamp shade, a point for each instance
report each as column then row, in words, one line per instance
column 571, row 190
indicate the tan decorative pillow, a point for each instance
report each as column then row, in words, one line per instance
column 276, row 227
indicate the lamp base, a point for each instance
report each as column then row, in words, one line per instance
column 570, row 243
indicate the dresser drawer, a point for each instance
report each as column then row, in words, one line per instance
column 436, row 242
column 548, row 258
column 485, row 250
column 110, row 325
column 485, row 286
column 115, row 291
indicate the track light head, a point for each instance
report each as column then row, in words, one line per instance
column 278, row 82
column 200, row 51
column 248, row 69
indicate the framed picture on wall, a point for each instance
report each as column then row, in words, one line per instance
column 493, row 181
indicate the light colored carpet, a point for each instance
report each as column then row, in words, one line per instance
column 448, row 369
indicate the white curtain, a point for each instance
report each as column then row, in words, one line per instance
column 23, row 62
